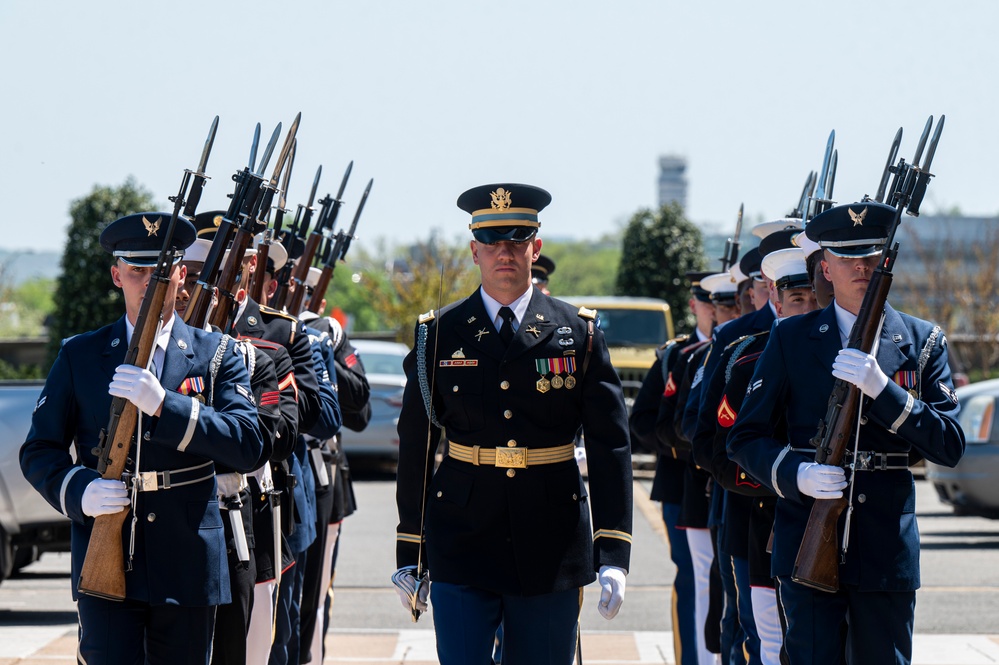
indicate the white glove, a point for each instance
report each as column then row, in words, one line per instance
column 406, row 586
column 862, row 370
column 104, row 497
column 612, row 583
column 139, row 386
column 821, row 481
column 579, row 452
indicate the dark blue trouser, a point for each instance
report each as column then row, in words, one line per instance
column 537, row 630
column 130, row 632
column 732, row 637
column 746, row 621
column 684, row 626
column 879, row 625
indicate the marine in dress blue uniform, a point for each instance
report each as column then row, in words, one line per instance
column 178, row 571
column 909, row 406
column 507, row 522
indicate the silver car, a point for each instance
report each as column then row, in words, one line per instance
column 383, row 365
column 28, row 524
column 972, row 487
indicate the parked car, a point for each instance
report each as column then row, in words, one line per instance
column 383, row 365
column 972, row 487
column 28, row 524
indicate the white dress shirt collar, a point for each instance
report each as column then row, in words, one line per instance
column 519, row 307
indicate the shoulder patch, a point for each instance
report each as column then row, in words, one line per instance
column 427, row 317
column 587, row 313
column 745, row 337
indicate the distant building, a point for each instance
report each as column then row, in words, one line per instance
column 672, row 180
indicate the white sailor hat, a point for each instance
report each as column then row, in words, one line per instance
column 764, row 229
column 277, row 255
column 786, row 267
column 722, row 287
column 807, row 245
column 313, row 277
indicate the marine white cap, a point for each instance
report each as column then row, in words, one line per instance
column 764, row 229
column 786, row 267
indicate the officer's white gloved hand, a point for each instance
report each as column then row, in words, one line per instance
column 139, row 386
column 408, row 588
column 821, row 481
column 612, row 583
column 862, row 370
column 104, row 497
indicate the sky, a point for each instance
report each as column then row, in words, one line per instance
column 432, row 98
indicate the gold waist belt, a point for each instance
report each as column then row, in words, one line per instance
column 510, row 458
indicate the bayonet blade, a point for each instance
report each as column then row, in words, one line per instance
column 267, row 152
column 879, row 196
column 283, row 196
column 209, row 142
column 832, row 175
column 932, row 150
column 315, row 186
column 805, row 193
column 253, row 149
column 820, row 192
column 922, row 142
column 343, row 183
column 367, row 190
column 285, row 149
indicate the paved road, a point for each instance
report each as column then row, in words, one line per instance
column 957, row 613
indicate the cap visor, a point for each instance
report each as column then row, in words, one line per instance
column 493, row 234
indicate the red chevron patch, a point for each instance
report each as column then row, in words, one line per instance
column 726, row 416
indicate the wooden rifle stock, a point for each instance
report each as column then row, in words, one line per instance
column 257, row 284
column 103, row 572
column 230, row 274
column 320, row 289
column 301, row 272
column 817, row 565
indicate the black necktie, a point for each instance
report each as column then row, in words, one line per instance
column 506, row 330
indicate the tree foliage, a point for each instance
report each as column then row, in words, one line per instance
column 85, row 296
column 417, row 283
column 583, row 267
column 658, row 249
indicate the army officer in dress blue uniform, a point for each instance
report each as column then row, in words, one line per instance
column 195, row 408
column 908, row 408
column 511, row 374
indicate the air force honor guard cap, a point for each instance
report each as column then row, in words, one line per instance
column 786, row 267
column 749, row 264
column 852, row 231
column 543, row 267
column 697, row 290
column 778, row 240
column 722, row 287
column 504, row 211
column 138, row 239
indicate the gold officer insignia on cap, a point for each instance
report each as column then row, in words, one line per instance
column 858, row 220
column 458, row 354
column 217, row 220
column 152, row 228
column 478, row 335
column 501, row 199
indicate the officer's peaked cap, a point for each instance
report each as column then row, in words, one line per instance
column 722, row 287
column 749, row 264
column 138, row 239
column 787, row 269
column 778, row 240
column 543, row 267
column 504, row 211
column 696, row 288
column 764, row 229
column 854, row 230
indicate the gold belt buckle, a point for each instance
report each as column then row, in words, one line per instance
column 511, row 458
column 148, row 481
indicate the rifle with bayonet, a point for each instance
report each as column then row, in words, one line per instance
column 819, row 557
column 731, row 254
column 103, row 572
column 299, row 228
column 821, row 201
column 336, row 250
column 324, row 227
column 256, row 290
column 244, row 215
